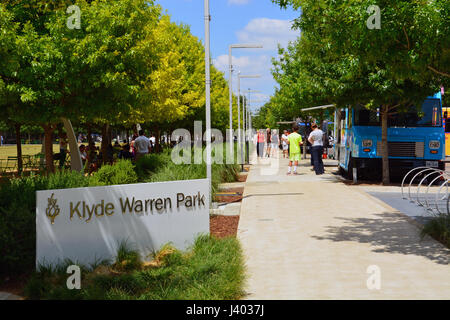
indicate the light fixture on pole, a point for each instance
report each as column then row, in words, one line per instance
column 230, row 78
column 246, row 124
column 241, row 144
column 249, row 120
column 208, row 98
column 248, row 104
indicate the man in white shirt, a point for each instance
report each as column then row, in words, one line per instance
column 142, row 145
column 316, row 140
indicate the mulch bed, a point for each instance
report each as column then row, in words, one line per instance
column 223, row 226
column 242, row 177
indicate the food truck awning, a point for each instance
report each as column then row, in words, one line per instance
column 319, row 107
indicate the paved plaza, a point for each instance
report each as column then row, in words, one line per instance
column 314, row 237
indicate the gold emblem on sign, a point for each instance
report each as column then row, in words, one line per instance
column 52, row 210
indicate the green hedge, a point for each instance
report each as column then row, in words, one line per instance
column 18, row 209
column 122, row 172
column 18, row 216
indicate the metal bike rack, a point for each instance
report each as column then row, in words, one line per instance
column 430, row 177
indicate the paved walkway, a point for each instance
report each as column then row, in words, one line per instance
column 313, row 237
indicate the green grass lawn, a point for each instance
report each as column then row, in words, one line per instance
column 212, row 269
column 27, row 149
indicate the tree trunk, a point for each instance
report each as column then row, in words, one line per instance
column 109, row 134
column 158, row 140
column 105, row 141
column 90, row 142
column 19, row 148
column 48, row 142
column 384, row 145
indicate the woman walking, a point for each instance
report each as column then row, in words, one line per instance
column 269, row 142
column 260, row 143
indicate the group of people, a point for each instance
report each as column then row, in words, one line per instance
column 272, row 144
column 291, row 142
column 139, row 146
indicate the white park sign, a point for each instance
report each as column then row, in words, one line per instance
column 88, row 224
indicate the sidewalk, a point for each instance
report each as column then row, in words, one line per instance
column 313, row 237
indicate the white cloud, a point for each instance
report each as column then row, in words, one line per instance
column 268, row 32
column 248, row 65
column 238, row 2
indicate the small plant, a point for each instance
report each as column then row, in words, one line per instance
column 121, row 172
column 149, row 163
column 211, row 269
column 127, row 259
column 438, row 228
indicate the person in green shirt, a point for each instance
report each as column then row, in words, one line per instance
column 295, row 141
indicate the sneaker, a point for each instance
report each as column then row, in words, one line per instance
column 288, row 173
column 295, row 173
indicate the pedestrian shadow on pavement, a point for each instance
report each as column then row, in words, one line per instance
column 390, row 233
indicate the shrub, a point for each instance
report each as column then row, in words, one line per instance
column 120, row 173
column 127, row 259
column 149, row 163
column 18, row 216
column 438, row 228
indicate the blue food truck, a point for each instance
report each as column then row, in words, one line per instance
column 414, row 139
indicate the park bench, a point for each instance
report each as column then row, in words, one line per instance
column 2, row 166
column 11, row 163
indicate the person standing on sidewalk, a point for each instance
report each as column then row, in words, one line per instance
column 285, row 144
column 269, row 142
column 260, row 143
column 316, row 140
column 294, row 140
column 275, row 143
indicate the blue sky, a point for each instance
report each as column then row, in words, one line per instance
column 240, row 21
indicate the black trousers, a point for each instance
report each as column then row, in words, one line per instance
column 316, row 153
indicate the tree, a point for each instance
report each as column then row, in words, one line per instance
column 387, row 68
column 95, row 72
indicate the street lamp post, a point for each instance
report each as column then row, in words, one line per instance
column 208, row 98
column 241, row 144
column 246, row 122
column 230, row 65
column 248, row 115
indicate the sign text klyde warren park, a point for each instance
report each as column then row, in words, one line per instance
column 87, row 225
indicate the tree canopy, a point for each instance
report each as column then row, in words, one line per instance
column 126, row 64
column 339, row 60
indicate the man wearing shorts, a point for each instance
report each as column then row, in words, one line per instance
column 294, row 140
